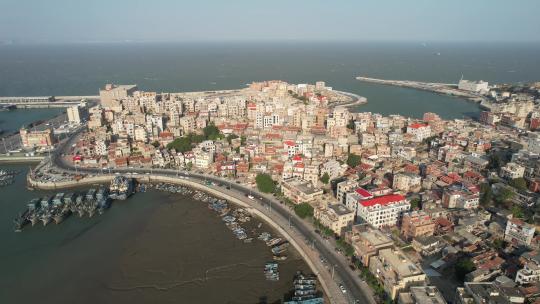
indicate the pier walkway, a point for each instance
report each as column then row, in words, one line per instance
column 439, row 88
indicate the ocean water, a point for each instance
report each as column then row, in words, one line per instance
column 84, row 68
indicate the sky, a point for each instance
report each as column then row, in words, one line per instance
column 78, row 21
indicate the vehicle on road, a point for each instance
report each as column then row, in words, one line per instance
column 342, row 288
column 251, row 197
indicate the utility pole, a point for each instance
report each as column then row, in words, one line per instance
column 333, row 270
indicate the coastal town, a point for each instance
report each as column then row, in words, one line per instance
column 425, row 210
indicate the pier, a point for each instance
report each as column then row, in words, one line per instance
column 44, row 101
column 438, row 88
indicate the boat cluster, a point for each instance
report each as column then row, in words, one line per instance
column 271, row 271
column 278, row 246
column 173, row 188
column 7, row 177
column 47, row 208
column 305, row 289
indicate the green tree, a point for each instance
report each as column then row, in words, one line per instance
column 353, row 160
column 463, row 267
column 499, row 244
column 155, row 143
column 351, row 125
column 518, row 183
column 495, row 161
column 517, row 211
column 504, row 195
column 415, row 203
column 265, row 183
column 325, row 178
column 230, row 137
column 211, row 131
column 303, row 210
column 182, row 144
column 486, row 194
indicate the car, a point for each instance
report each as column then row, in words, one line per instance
column 228, row 187
column 251, row 197
column 342, row 288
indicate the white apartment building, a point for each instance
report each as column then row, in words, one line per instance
column 512, row 170
column 419, row 131
column 530, row 273
column 353, row 199
column 343, row 187
column 203, row 159
column 383, row 211
column 74, row 114
column 518, row 232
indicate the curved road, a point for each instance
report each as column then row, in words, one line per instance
column 357, row 290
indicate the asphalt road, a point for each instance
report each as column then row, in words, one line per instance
column 356, row 290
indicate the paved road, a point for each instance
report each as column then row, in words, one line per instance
column 342, row 274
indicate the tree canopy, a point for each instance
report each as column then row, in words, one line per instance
column 518, row 183
column 463, row 267
column 265, row 183
column 353, row 160
column 303, row 210
column 212, row 132
column 325, row 178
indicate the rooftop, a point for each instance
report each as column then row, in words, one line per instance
column 383, row 200
column 399, row 263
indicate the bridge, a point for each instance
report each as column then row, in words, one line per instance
column 44, row 101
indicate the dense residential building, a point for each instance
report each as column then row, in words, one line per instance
column 518, row 232
column 395, row 271
column 336, row 217
column 300, row 191
column 421, row 295
column 383, row 210
column 415, row 224
column 487, row 292
column 367, row 242
column 530, row 273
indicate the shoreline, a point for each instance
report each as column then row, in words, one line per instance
column 194, row 185
column 357, row 100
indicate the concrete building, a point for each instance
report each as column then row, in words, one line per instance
column 300, row 191
column 487, row 293
column 530, row 273
column 419, row 131
column 75, row 114
column 473, row 86
column 415, row 224
column 518, row 232
column 367, row 242
column 353, row 198
column 203, row 159
column 383, row 210
column 336, row 217
column 512, row 170
column 342, row 188
column 112, row 94
column 34, row 139
column 407, row 182
column 421, row 295
column 395, row 271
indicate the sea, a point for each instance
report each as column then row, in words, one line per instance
column 163, row 248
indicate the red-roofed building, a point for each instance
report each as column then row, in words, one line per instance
column 419, row 131
column 383, row 211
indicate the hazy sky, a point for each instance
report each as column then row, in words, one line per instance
column 355, row 20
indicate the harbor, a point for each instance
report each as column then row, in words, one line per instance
column 151, row 238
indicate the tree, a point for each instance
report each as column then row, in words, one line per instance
column 505, row 194
column 517, row 211
column 325, row 178
column 181, row 144
column 211, row 131
column 495, row 161
column 415, row 203
column 499, row 244
column 486, row 194
column 303, row 210
column 353, row 160
column 463, row 267
column 155, row 143
column 230, row 137
column 351, row 125
column 265, row 183
column 518, row 183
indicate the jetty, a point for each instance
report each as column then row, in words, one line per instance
column 450, row 89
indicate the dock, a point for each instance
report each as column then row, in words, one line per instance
column 435, row 87
column 44, row 101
